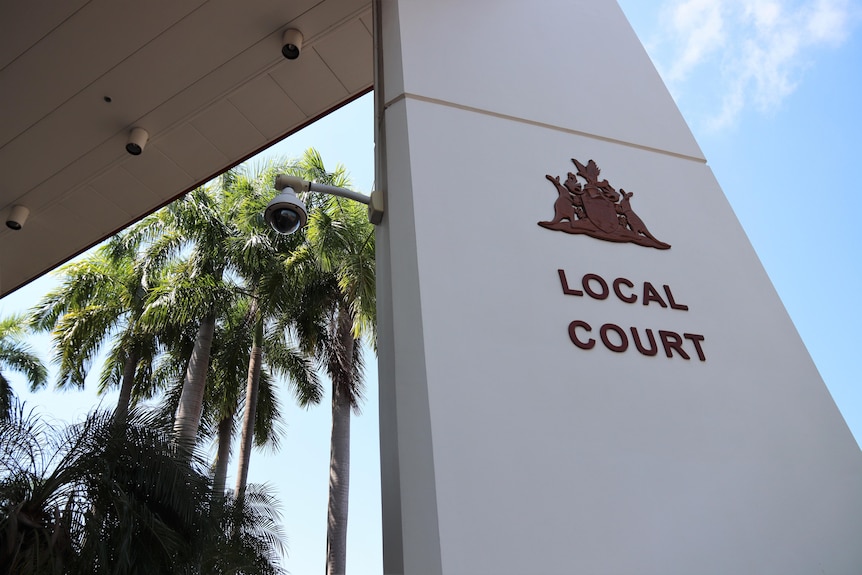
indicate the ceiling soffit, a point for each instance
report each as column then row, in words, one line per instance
column 206, row 79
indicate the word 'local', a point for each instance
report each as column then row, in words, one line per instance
column 614, row 337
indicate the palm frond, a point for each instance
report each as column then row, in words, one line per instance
column 18, row 355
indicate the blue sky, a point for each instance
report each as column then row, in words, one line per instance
column 771, row 90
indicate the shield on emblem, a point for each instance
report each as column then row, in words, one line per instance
column 601, row 212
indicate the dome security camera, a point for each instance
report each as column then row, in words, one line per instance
column 137, row 140
column 291, row 43
column 286, row 213
column 17, row 217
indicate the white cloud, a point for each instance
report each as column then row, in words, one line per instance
column 751, row 52
column 700, row 26
column 827, row 22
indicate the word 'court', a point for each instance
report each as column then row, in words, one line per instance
column 618, row 339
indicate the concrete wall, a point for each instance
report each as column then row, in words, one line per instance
column 507, row 448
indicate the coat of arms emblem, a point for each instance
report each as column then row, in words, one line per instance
column 596, row 209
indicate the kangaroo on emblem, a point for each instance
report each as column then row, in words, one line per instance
column 596, row 209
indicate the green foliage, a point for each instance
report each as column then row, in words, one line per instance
column 101, row 498
column 332, row 272
column 101, row 298
column 85, row 495
column 119, row 496
column 17, row 355
column 249, row 536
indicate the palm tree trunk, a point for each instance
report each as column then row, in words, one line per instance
column 339, row 449
column 252, row 390
column 125, row 399
column 225, row 434
column 192, row 396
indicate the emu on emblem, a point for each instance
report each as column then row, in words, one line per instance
column 597, row 210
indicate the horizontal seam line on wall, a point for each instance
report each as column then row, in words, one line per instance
column 407, row 95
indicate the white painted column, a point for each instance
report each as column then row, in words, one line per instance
column 510, row 444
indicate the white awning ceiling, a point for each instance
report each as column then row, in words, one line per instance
column 205, row 78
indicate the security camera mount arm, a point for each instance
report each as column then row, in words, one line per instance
column 374, row 201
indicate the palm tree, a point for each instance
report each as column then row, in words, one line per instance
column 17, row 355
column 226, row 269
column 100, row 498
column 249, row 537
column 95, row 498
column 271, row 356
column 229, row 356
column 333, row 278
column 259, row 254
column 222, row 392
column 223, row 397
column 102, row 297
column 226, row 393
column 195, row 228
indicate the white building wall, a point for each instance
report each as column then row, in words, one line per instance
column 506, row 448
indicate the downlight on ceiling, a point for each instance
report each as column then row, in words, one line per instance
column 137, row 140
column 17, row 217
column 291, row 43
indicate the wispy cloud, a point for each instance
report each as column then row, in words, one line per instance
column 698, row 26
column 752, row 52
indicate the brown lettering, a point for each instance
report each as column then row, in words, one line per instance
column 651, row 295
column 632, row 298
column 586, row 283
column 696, row 339
column 670, row 300
column 590, row 343
column 624, row 341
column 565, row 284
column 653, row 349
column 671, row 341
